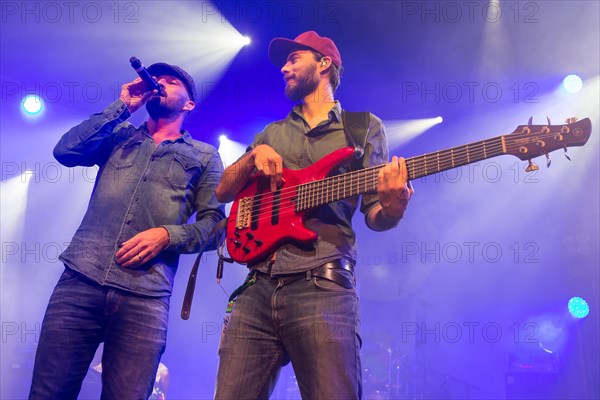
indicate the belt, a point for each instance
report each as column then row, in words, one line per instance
column 330, row 271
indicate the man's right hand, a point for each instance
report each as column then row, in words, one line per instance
column 263, row 159
column 268, row 163
column 135, row 94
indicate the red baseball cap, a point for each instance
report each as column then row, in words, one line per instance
column 280, row 48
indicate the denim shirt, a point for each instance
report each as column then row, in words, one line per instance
column 300, row 146
column 140, row 185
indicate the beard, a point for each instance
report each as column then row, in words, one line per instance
column 306, row 83
column 159, row 107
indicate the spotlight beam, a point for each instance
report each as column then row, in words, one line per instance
column 403, row 131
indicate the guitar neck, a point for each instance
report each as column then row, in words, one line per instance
column 339, row 187
column 454, row 157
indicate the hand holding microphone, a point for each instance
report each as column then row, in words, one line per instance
column 136, row 93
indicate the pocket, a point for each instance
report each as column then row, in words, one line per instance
column 183, row 171
column 125, row 154
column 67, row 276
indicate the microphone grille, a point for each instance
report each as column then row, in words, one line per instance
column 135, row 62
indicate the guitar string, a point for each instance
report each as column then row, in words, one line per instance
column 510, row 148
column 266, row 215
column 322, row 193
column 322, row 190
column 455, row 154
column 457, row 157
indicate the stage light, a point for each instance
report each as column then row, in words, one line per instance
column 203, row 41
column 402, row 131
column 229, row 150
column 232, row 40
column 578, row 307
column 32, row 104
column 551, row 332
column 572, row 83
column 13, row 205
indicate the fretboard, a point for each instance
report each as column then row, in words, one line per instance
column 346, row 185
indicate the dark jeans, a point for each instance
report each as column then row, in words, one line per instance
column 80, row 315
column 311, row 322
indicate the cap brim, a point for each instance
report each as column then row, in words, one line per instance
column 164, row 69
column 158, row 69
column 280, row 48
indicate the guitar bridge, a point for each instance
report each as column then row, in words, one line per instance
column 244, row 214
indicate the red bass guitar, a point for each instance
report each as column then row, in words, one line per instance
column 260, row 220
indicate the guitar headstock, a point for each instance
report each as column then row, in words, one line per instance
column 529, row 141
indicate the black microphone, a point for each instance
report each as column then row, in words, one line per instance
column 145, row 75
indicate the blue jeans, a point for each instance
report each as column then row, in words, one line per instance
column 80, row 315
column 312, row 322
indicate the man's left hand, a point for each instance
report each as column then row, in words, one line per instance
column 393, row 190
column 142, row 247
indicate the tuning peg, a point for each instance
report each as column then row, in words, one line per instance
column 571, row 120
column 548, row 160
column 530, row 122
column 567, row 154
column 531, row 167
column 548, row 119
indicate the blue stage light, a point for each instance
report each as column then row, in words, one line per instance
column 32, row 104
column 572, row 83
column 578, row 307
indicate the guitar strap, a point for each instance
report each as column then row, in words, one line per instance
column 218, row 231
column 356, row 128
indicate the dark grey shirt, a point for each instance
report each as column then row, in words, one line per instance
column 300, row 146
column 140, row 185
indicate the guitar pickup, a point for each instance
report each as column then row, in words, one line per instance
column 244, row 214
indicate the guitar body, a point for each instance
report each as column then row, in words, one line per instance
column 260, row 220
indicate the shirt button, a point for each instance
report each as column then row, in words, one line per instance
column 128, row 222
column 145, row 178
